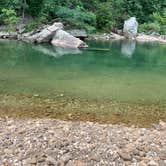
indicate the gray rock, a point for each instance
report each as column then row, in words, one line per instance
column 125, row 155
column 162, row 155
column 79, row 33
column 46, row 34
column 51, row 161
column 64, row 39
column 152, row 163
column 8, row 35
column 32, row 161
column 130, row 28
column 65, row 158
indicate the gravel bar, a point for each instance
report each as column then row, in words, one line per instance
column 50, row 142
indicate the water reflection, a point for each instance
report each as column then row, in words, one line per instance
column 55, row 51
column 128, row 48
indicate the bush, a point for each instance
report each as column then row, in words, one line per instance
column 149, row 27
column 10, row 18
column 77, row 18
column 161, row 20
column 157, row 25
column 105, row 18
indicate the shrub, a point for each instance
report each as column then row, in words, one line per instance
column 149, row 27
column 157, row 25
column 161, row 20
column 105, row 18
column 10, row 18
column 77, row 18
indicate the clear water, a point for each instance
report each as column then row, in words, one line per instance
column 110, row 82
column 129, row 71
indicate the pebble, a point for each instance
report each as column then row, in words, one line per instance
column 125, row 155
column 65, row 143
column 152, row 163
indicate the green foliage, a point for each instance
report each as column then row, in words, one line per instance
column 32, row 25
column 157, row 25
column 160, row 19
column 149, row 27
column 105, row 18
column 90, row 14
column 10, row 18
column 77, row 18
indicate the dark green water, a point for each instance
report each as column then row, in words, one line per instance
column 129, row 72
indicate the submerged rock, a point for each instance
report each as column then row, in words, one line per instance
column 130, row 28
column 64, row 39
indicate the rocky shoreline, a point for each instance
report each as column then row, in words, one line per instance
column 139, row 37
column 56, row 35
column 55, row 142
column 53, row 34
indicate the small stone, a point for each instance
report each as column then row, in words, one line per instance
column 142, row 163
column 124, row 155
column 152, row 163
column 41, row 160
column 51, row 161
column 79, row 163
column 162, row 155
column 142, row 154
column 65, row 158
column 94, row 158
column 32, row 161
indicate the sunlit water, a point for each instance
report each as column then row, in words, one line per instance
column 123, row 71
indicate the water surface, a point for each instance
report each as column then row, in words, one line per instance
column 127, row 73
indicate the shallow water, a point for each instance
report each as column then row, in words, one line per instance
column 127, row 72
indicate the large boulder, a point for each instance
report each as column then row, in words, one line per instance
column 79, row 33
column 64, row 39
column 46, row 34
column 130, row 28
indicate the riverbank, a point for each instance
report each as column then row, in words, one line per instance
column 55, row 142
column 140, row 37
column 33, row 36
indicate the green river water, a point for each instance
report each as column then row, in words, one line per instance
column 124, row 79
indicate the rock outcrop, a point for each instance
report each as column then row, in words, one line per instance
column 64, row 39
column 79, row 33
column 50, row 34
column 46, row 34
column 130, row 28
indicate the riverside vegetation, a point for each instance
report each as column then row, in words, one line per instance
column 93, row 15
